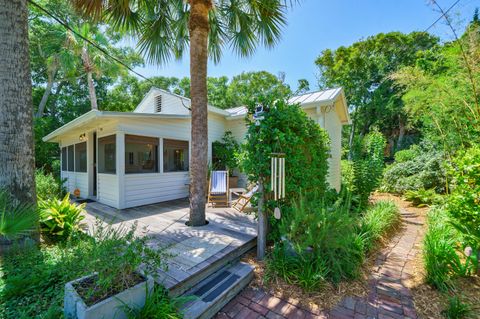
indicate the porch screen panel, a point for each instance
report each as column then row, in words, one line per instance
column 64, row 158
column 141, row 154
column 81, row 157
column 175, row 156
column 70, row 157
column 106, row 155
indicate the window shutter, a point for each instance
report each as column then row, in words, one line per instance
column 158, row 103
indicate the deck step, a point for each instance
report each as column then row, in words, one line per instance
column 214, row 292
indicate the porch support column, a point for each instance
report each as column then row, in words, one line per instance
column 120, row 167
column 90, row 162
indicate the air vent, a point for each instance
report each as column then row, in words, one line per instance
column 158, row 103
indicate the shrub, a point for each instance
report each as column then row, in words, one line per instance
column 407, row 154
column 158, row 305
column 16, row 219
column 423, row 197
column 464, row 200
column 60, row 218
column 425, row 170
column 368, row 167
column 47, row 186
column 442, row 263
column 325, row 232
column 224, row 153
column 377, row 221
column 456, row 309
column 348, row 174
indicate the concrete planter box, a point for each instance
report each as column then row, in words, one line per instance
column 110, row 308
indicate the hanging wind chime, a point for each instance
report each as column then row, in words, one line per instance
column 277, row 179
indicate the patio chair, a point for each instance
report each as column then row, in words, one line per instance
column 244, row 199
column 218, row 188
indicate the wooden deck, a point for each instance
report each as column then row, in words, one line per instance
column 197, row 251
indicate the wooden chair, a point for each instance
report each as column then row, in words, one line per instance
column 218, row 189
column 244, row 199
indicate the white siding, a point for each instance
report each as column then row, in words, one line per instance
column 143, row 189
column 76, row 180
column 107, row 190
column 171, row 103
column 238, row 128
column 334, row 129
column 216, row 130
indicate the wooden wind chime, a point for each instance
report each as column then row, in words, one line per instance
column 277, row 179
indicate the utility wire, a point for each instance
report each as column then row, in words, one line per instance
column 98, row 47
column 443, row 14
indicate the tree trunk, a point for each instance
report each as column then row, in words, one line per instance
column 401, row 134
column 198, row 27
column 91, row 87
column 46, row 94
column 17, row 161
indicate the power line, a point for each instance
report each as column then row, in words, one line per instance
column 66, row 26
column 443, row 14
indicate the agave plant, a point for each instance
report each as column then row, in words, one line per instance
column 60, row 218
column 16, row 219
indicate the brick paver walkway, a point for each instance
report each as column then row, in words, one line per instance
column 389, row 295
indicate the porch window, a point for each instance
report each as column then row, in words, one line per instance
column 106, row 155
column 64, row 158
column 81, row 157
column 71, row 163
column 141, row 154
column 175, row 156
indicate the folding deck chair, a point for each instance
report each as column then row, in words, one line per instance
column 244, row 199
column 218, row 189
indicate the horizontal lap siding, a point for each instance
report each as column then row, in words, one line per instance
column 143, row 189
column 107, row 192
column 334, row 129
column 76, row 180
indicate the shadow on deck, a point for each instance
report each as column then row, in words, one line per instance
column 198, row 251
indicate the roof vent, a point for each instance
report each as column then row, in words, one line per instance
column 158, row 103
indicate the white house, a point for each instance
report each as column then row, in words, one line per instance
column 130, row 159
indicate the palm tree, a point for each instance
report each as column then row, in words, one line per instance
column 17, row 171
column 165, row 28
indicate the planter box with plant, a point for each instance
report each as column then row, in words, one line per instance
column 120, row 277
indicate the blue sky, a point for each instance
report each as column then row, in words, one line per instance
column 315, row 25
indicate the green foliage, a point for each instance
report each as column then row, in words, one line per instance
column 286, row 129
column 32, row 280
column 416, row 170
column 423, row 197
column 368, row 167
column 408, row 154
column 464, row 200
column 377, row 222
column 348, row 174
column 16, row 219
column 60, row 218
column 158, row 305
column 117, row 274
column 47, row 186
column 456, row 309
column 442, row 262
column 325, row 229
column 224, row 153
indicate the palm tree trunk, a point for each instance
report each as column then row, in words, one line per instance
column 46, row 94
column 91, row 87
column 17, row 161
column 198, row 27
column 91, row 91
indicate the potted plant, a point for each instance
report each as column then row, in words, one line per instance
column 224, row 156
column 120, row 278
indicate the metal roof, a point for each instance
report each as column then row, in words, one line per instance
column 315, row 97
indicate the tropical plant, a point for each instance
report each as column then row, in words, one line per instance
column 158, row 305
column 16, row 219
column 464, row 201
column 207, row 26
column 224, row 153
column 368, row 167
column 423, row 197
column 17, row 161
column 60, row 218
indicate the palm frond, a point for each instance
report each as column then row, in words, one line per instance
column 16, row 219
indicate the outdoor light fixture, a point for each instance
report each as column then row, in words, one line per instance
column 83, row 137
column 258, row 115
